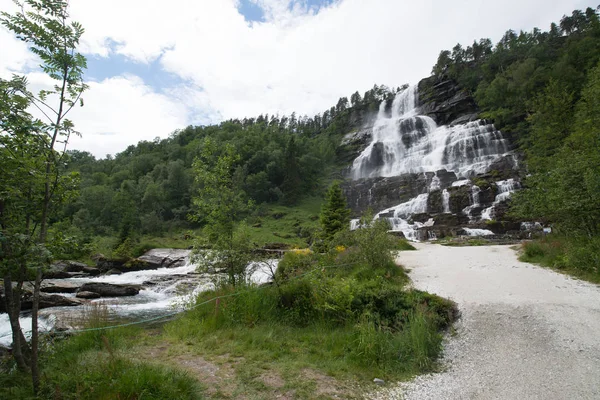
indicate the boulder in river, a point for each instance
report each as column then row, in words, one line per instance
column 58, row 286
column 49, row 300
column 109, row 289
column 165, row 258
column 87, row 295
column 114, row 271
column 57, row 271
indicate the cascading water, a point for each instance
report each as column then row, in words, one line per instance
column 446, row 200
column 407, row 142
column 505, row 190
column 163, row 290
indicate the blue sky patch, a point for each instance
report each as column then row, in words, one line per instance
column 100, row 68
column 251, row 11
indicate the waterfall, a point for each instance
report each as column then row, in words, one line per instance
column 475, row 190
column 407, row 142
column 505, row 190
column 478, row 232
column 399, row 216
column 446, row 200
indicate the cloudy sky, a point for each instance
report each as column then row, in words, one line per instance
column 155, row 66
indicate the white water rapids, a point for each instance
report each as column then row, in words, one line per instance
column 172, row 289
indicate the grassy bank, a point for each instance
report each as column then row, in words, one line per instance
column 325, row 328
column 99, row 365
column 579, row 257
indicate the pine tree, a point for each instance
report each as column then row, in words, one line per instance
column 335, row 215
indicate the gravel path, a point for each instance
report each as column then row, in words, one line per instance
column 524, row 332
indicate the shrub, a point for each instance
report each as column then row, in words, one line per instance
column 294, row 263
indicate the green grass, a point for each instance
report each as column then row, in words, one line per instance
column 578, row 257
column 289, row 225
column 96, row 365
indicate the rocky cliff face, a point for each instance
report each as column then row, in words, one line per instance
column 429, row 165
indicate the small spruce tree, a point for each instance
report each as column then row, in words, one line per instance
column 335, row 215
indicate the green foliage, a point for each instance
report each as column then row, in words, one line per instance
column 335, row 214
column 577, row 256
column 565, row 192
column 352, row 293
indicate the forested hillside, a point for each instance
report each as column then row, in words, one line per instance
column 539, row 87
column 148, row 187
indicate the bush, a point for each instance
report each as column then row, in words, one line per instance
column 294, row 263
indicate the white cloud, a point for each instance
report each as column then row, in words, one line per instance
column 121, row 111
column 294, row 61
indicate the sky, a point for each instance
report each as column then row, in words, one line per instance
column 155, row 67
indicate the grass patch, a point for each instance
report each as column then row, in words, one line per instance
column 96, row 365
column 294, row 226
column 579, row 257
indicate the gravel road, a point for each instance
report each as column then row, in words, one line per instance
column 525, row 332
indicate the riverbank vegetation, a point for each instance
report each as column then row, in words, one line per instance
column 326, row 326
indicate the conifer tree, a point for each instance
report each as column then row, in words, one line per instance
column 335, row 215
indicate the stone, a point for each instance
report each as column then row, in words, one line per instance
column 74, row 266
column 379, row 382
column 113, row 271
column 91, row 271
column 58, row 286
column 87, row 295
column 56, row 271
column 47, row 301
column 54, row 300
column 109, row 289
column 163, row 258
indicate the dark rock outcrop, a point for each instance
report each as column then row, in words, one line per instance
column 109, row 289
column 446, row 102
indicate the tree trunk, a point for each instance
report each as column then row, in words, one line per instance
column 35, row 373
column 13, row 308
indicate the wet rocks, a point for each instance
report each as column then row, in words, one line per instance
column 109, row 289
column 163, row 258
column 87, row 295
column 58, row 286
column 445, row 102
column 54, row 300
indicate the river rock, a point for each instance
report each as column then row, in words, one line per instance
column 54, row 300
column 165, row 258
column 109, row 289
column 74, row 266
column 114, row 271
column 87, row 295
column 56, row 271
column 58, row 286
column 91, row 271
column 48, row 300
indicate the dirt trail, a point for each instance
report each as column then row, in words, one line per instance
column 525, row 332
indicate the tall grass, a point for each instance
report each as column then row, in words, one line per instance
column 578, row 256
column 95, row 365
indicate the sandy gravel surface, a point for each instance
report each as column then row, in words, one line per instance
column 525, row 332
